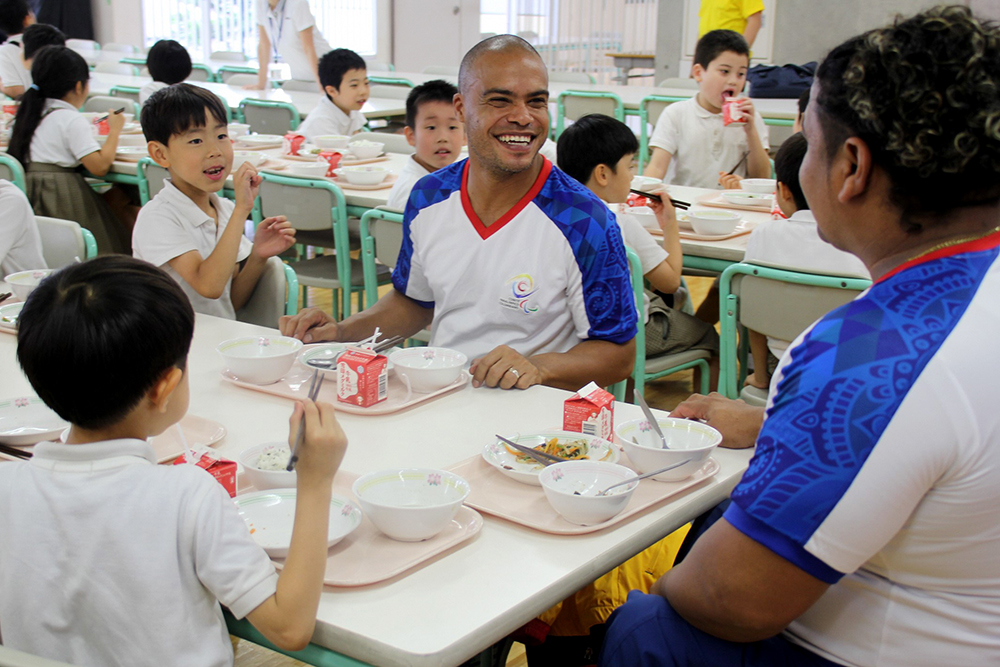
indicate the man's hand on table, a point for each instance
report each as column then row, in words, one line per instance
column 310, row 326
column 505, row 368
column 738, row 422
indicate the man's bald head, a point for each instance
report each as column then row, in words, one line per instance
column 495, row 44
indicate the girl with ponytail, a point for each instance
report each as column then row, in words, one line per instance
column 54, row 143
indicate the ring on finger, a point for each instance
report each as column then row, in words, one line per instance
column 514, row 371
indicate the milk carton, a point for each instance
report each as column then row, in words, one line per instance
column 362, row 377
column 222, row 470
column 590, row 411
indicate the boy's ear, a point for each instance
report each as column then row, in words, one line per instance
column 331, row 91
column 159, row 395
column 411, row 137
column 600, row 175
column 158, row 152
column 784, row 192
column 697, row 71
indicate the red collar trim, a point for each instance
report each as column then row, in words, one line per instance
column 486, row 232
column 975, row 245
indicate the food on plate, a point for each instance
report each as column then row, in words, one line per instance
column 571, row 450
column 274, row 458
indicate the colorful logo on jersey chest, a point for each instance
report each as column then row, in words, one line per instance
column 522, row 287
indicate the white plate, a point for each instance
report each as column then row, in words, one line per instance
column 25, row 421
column 254, row 139
column 332, row 352
column 269, row 516
column 498, row 456
column 744, row 198
column 9, row 313
column 133, row 151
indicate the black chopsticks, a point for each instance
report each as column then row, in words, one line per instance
column 649, row 195
column 314, row 387
column 15, row 452
column 742, row 160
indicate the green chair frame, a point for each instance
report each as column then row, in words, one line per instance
column 292, row 300
column 390, row 81
column 207, row 70
column 645, row 121
column 368, row 250
column 294, row 118
column 133, row 60
column 619, row 112
column 89, row 243
column 125, row 92
column 734, row 346
column 16, row 170
column 233, row 69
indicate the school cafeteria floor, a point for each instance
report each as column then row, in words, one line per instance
column 663, row 394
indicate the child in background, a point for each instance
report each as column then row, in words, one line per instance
column 344, row 76
column 35, row 37
column 692, row 135
column 52, row 140
column 433, row 128
column 187, row 229
column 168, row 63
column 20, row 243
column 93, row 526
column 15, row 17
column 793, row 244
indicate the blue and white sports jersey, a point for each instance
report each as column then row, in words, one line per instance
column 550, row 273
column 878, row 467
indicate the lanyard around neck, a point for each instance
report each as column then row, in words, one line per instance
column 275, row 39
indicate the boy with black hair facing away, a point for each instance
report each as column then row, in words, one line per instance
column 344, row 77
column 692, row 134
column 168, row 63
column 108, row 558
column 187, row 229
column 433, row 128
column 35, row 37
column 15, row 17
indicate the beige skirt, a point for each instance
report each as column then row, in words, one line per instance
column 60, row 192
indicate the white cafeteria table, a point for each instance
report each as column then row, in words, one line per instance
column 463, row 601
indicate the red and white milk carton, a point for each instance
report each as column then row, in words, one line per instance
column 731, row 112
column 222, row 470
column 362, row 377
column 590, row 411
column 291, row 143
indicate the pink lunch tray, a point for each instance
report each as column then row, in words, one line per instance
column 295, row 386
column 387, row 183
column 366, row 556
column 495, row 493
column 715, row 200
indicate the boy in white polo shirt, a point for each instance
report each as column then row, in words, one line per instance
column 20, row 242
column 433, row 128
column 108, row 558
column 189, row 231
column 692, row 136
column 344, row 76
column 15, row 16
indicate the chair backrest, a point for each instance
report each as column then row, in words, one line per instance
column 295, row 84
column 11, row 170
column 151, row 179
column 390, row 92
column 394, row 143
column 101, row 103
column 446, row 70
column 639, row 367
column 276, row 294
column 570, row 77
column 119, row 47
column 391, row 81
column 83, row 45
column 226, row 72
column 679, row 82
column 64, row 241
column 201, row 73
column 116, row 68
column 238, row 79
column 574, row 104
column 650, row 109
column 127, row 92
column 228, row 56
column 269, row 117
column 381, row 239
column 11, row 658
column 378, row 66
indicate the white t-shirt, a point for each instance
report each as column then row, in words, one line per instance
column 412, row 172
column 148, row 89
column 12, row 71
column 283, row 25
column 63, row 136
column 877, row 469
column 328, row 118
column 20, row 243
column 110, row 559
column 550, row 273
column 701, row 145
column 795, row 244
column 171, row 225
column 651, row 254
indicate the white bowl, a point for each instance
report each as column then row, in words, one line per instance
column 571, row 488
column 744, row 198
column 24, row 283
column 260, row 139
column 428, row 369
column 713, row 223
column 644, row 182
column 255, row 158
column 688, row 440
column 237, row 130
column 363, row 175
column 410, row 504
column 270, row 515
column 524, row 469
column 316, row 169
column 645, row 216
column 759, row 186
column 25, row 421
column 259, row 359
column 266, row 479
column 365, row 150
column 330, row 142
column 9, row 314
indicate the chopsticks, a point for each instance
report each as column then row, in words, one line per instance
column 683, row 205
column 15, row 452
column 742, row 160
column 5, row 296
column 105, row 116
column 541, row 457
column 387, row 343
column 314, row 387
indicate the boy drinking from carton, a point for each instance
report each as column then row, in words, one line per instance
column 344, row 76
column 188, row 230
column 695, row 137
column 93, row 526
column 433, row 128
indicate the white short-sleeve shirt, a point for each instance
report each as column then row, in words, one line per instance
column 20, row 243
column 637, row 237
column 701, row 144
column 283, row 25
column 412, row 172
column 795, row 244
column 148, row 89
column 63, row 136
column 171, row 225
column 328, row 118
column 110, row 559
column 12, row 71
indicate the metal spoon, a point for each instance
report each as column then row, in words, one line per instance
column 643, row 476
column 541, row 457
column 650, row 418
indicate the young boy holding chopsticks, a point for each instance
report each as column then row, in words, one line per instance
column 108, row 558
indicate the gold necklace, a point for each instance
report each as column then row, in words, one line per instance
column 948, row 244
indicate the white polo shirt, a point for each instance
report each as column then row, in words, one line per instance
column 701, row 144
column 12, row 71
column 148, row 89
column 63, row 136
column 20, row 243
column 283, row 25
column 171, row 225
column 328, row 118
column 412, row 172
column 649, row 251
column 110, row 559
